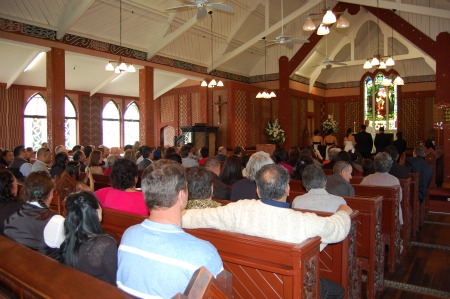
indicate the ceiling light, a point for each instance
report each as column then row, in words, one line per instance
column 386, row 82
column 399, row 81
column 375, row 61
column 382, row 64
column 367, row 65
column 390, row 61
column 323, row 30
column 265, row 94
column 329, row 18
column 212, row 82
column 309, row 25
column 342, row 23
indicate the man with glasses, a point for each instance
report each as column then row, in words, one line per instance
column 317, row 198
column 339, row 182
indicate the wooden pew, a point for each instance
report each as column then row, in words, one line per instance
column 414, row 190
column 407, row 214
column 260, row 267
column 391, row 228
column 296, row 186
column 25, row 273
column 204, row 285
column 339, row 261
column 101, row 181
column 370, row 246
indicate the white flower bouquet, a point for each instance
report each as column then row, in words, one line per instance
column 275, row 133
column 330, row 123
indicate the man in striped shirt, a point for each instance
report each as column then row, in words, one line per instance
column 157, row 258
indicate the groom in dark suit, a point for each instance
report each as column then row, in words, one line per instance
column 364, row 142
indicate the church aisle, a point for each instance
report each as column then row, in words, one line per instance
column 424, row 272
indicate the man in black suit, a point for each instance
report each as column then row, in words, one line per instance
column 147, row 154
column 381, row 140
column 397, row 170
column 418, row 164
column 220, row 189
column 364, row 142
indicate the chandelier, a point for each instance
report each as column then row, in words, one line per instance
column 212, row 82
column 265, row 94
column 120, row 66
column 329, row 18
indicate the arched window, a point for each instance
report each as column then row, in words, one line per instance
column 380, row 102
column 131, row 124
column 111, row 125
column 70, row 124
column 35, row 122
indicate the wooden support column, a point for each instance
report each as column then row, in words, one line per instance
column 285, row 103
column 148, row 117
column 442, row 92
column 55, row 97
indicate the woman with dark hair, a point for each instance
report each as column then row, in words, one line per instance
column 204, row 153
column 34, row 224
column 304, row 161
column 231, row 170
column 59, row 166
column 280, row 157
column 8, row 196
column 349, row 141
column 86, row 248
column 329, row 140
column 73, row 169
column 317, row 139
column 122, row 195
column 94, row 162
column 6, row 158
column 294, row 155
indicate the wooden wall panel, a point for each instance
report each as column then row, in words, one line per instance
column 11, row 108
column 91, row 120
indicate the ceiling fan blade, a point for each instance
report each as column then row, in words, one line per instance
column 272, row 44
column 298, row 40
column 181, row 7
column 338, row 62
column 289, row 45
column 201, row 13
column 221, row 6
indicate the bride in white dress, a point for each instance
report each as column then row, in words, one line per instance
column 349, row 141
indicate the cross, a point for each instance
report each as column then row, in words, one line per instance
column 218, row 104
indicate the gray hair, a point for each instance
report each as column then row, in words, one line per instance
column 383, row 162
column 313, row 177
column 420, row 151
column 333, row 152
column 271, row 181
column 340, row 166
column 256, row 161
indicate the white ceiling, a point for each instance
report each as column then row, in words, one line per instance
column 147, row 27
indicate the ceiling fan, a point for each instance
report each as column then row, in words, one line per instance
column 284, row 39
column 202, row 6
column 327, row 62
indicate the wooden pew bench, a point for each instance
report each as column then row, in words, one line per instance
column 25, row 273
column 260, row 267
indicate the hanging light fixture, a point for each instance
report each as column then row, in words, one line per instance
column 328, row 19
column 390, row 61
column 265, row 94
column 212, row 82
column 121, row 66
column 399, row 81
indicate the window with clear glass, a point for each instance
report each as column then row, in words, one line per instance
column 35, row 122
column 70, row 124
column 131, row 124
column 380, row 103
column 111, row 125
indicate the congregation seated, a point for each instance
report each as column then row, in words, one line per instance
column 9, row 202
column 80, row 157
column 130, row 154
column 317, row 198
column 44, row 157
column 339, row 182
column 34, row 224
column 280, row 157
column 222, row 154
column 187, row 159
column 368, row 167
column 397, row 170
column 200, row 186
column 232, row 170
column 20, row 167
column 73, row 169
column 293, row 156
column 94, row 162
column 203, row 154
column 85, row 247
column 122, row 195
column 332, row 154
column 59, row 166
column 271, row 217
column 110, row 163
column 220, row 189
column 6, row 158
column 417, row 163
column 246, row 187
column 157, row 257
column 302, row 162
column 147, row 156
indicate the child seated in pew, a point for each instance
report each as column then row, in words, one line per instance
column 34, row 224
column 86, row 248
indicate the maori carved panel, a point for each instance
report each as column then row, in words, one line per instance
column 196, row 108
column 91, row 126
column 169, row 134
column 240, row 121
column 354, row 277
column 11, row 104
column 167, row 109
column 352, row 118
column 379, row 251
column 183, row 110
column 409, row 114
column 295, row 135
column 309, row 278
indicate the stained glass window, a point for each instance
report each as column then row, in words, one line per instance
column 380, row 103
column 70, row 124
column 35, row 122
column 131, row 124
column 111, row 125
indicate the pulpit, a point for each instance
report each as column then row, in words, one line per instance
column 201, row 136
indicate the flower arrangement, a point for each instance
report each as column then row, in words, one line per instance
column 275, row 133
column 330, row 123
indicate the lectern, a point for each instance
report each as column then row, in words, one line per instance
column 201, row 136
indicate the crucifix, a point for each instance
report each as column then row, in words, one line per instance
column 218, row 105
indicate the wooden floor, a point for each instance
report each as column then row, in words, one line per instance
column 425, row 271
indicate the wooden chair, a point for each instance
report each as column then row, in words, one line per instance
column 204, row 285
column 64, row 186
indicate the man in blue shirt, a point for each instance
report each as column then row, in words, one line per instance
column 157, row 258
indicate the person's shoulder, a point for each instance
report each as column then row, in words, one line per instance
column 105, row 240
